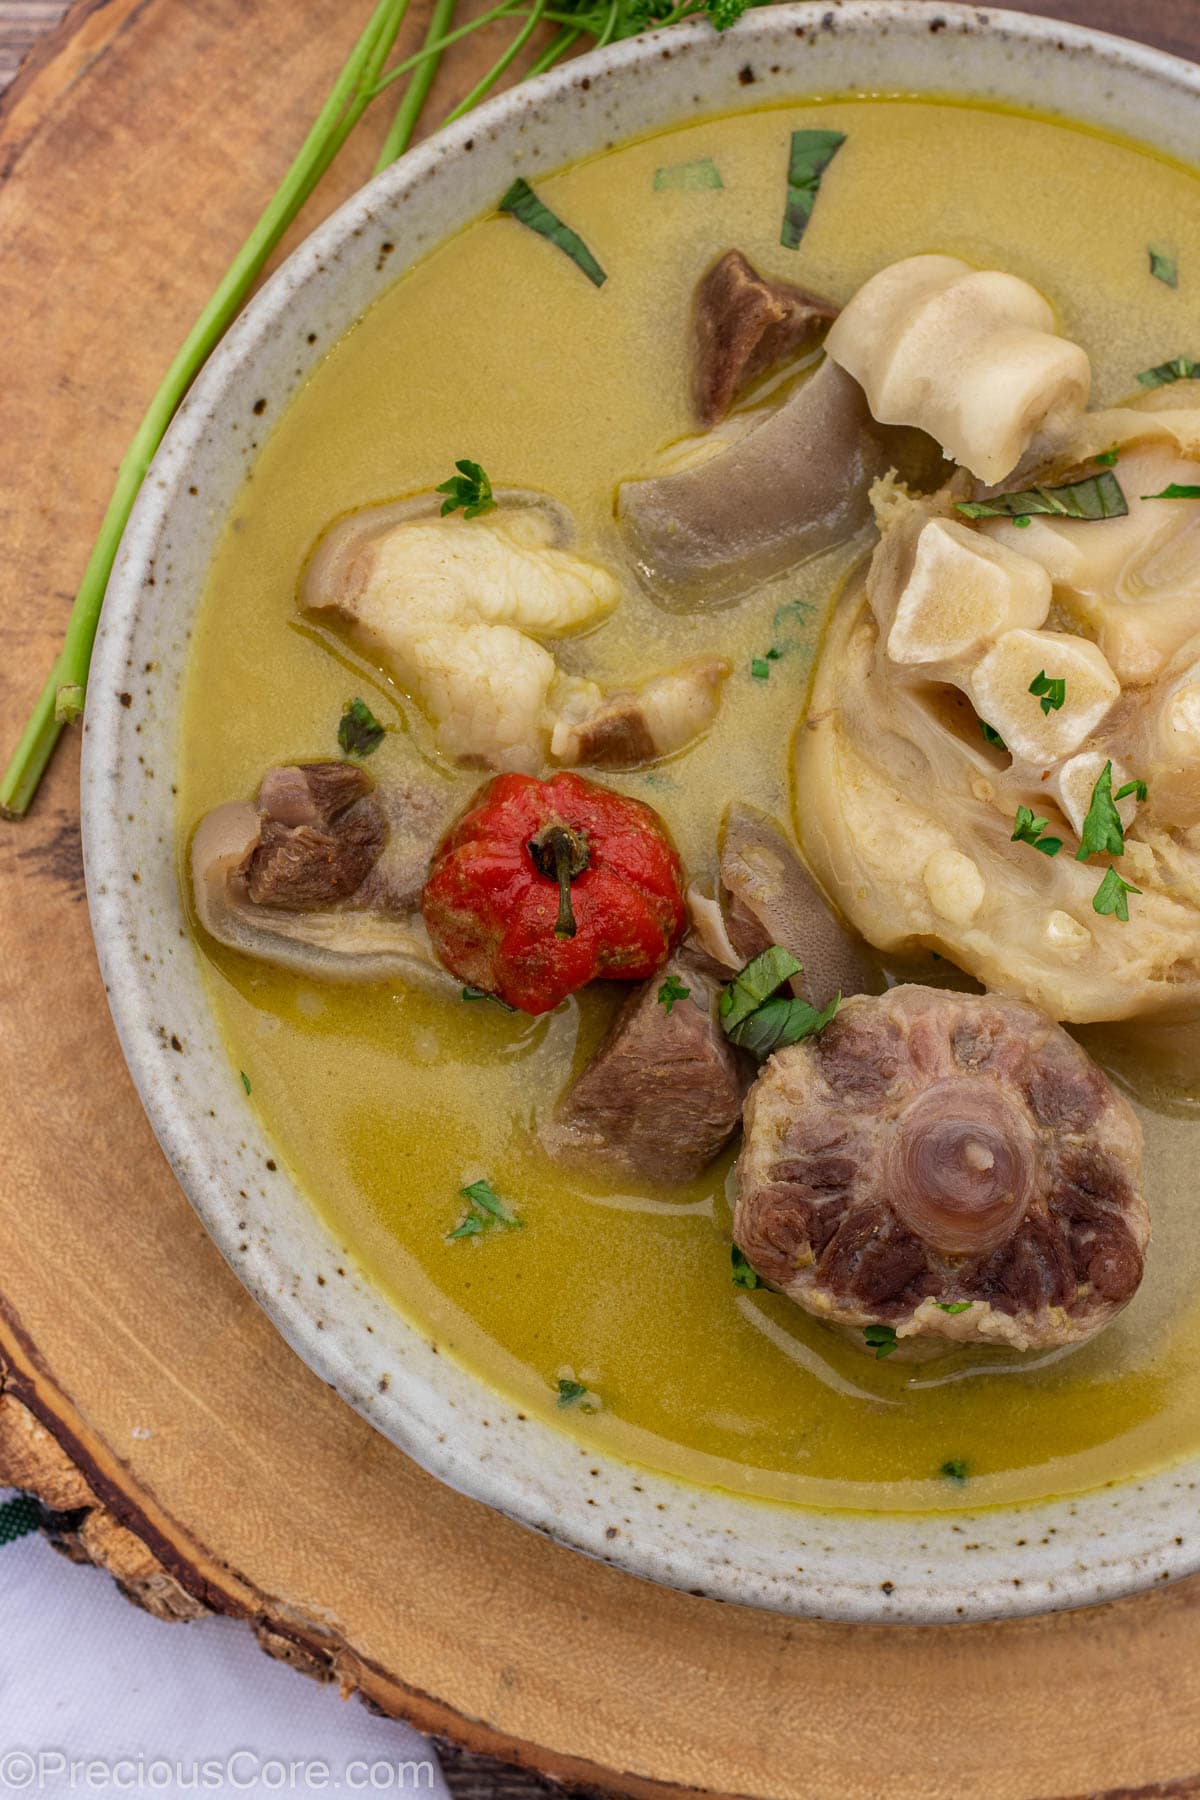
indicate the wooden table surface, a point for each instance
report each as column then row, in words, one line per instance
column 111, row 1298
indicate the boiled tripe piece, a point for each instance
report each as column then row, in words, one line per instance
column 968, row 355
column 963, row 592
column 1134, row 581
column 454, row 607
column 1000, row 685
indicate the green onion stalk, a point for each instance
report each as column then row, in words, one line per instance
column 362, row 80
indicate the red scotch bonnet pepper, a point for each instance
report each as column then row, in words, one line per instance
column 543, row 886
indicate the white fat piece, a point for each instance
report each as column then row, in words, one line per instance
column 1134, row 580
column 1000, row 684
column 455, row 607
column 633, row 726
column 970, row 356
column 963, row 592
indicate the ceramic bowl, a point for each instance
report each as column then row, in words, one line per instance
column 839, row 1566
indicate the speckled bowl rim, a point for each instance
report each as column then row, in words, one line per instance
column 850, row 1567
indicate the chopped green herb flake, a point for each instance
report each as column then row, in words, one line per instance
column 523, row 204
column 1108, row 458
column 725, row 13
column 742, row 1275
column 1137, row 788
column 1180, row 368
column 955, row 1306
column 1103, row 834
column 359, row 731
column 672, row 990
column 474, row 994
column 1028, row 830
column 689, row 175
column 470, row 489
column 777, row 1023
column 954, row 1469
column 573, row 1393
column 1050, row 690
column 1176, row 490
column 245, row 1079
column 1094, row 497
column 991, row 736
column 487, row 1211
column 1163, row 266
column 760, row 668
column 810, row 155
column 1112, row 896
column 756, row 983
column 881, row 1339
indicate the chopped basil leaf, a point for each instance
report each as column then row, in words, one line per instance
column 1051, row 690
column 881, row 1339
column 671, row 991
column 1109, row 458
column 756, row 983
column 523, row 204
column 1112, row 896
column 470, row 489
column 1028, row 830
column 1102, row 834
column 810, row 155
column 574, row 1393
column 955, row 1306
column 1163, row 266
column 954, row 1469
column 1094, row 497
column 359, row 731
column 691, row 175
column 991, row 736
column 1176, row 490
column 245, row 1079
column 1132, row 787
column 487, row 1210
column 777, row 1023
column 760, row 668
column 474, row 993
column 742, row 1275
column 1180, row 368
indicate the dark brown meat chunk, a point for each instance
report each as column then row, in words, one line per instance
column 956, row 1168
column 322, row 831
column 663, row 1094
column 746, row 323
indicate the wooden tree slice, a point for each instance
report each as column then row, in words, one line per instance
column 171, row 1434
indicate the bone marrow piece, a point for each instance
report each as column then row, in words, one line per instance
column 745, row 324
column 321, row 874
column 949, row 1165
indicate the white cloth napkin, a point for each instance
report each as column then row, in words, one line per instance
column 143, row 1707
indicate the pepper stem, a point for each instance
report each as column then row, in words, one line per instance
column 561, row 855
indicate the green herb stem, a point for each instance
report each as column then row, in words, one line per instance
column 415, row 94
column 337, row 118
column 484, row 87
column 433, row 48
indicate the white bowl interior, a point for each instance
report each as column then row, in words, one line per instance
column 849, row 1567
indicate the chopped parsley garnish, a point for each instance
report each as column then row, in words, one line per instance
column 486, row 1212
column 810, row 155
column 359, row 731
column 1112, row 896
column 470, row 489
column 1180, row 368
column 954, row 1468
column 523, row 204
column 575, row 1393
column 725, row 13
column 1176, row 490
column 1051, row 690
column 881, row 1339
column 991, row 736
column 1137, row 788
column 672, row 990
column 1103, row 833
column 1028, row 830
column 1094, row 497
column 474, row 994
column 689, row 175
column 1163, row 266
column 1108, row 459
column 741, row 1274
column 245, row 1079
column 757, row 1021
column 955, row 1306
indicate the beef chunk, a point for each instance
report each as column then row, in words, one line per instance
column 745, row 323
column 322, row 830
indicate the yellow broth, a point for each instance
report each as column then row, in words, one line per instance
column 383, row 1102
